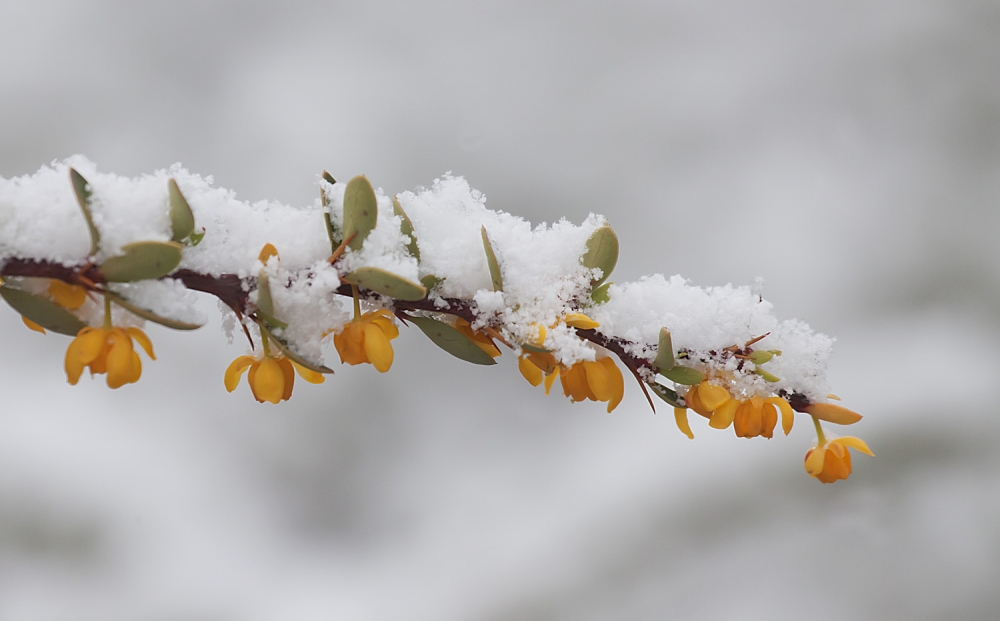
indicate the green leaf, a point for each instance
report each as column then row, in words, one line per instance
column 388, row 284
column 42, row 311
column 667, row 395
column 491, row 260
column 360, row 211
column 452, row 341
column 430, row 281
column 265, row 304
column 683, row 375
column 406, row 228
column 145, row 260
column 181, row 217
column 600, row 293
column 149, row 315
column 329, row 178
column 767, row 376
column 535, row 349
column 602, row 252
column 196, row 238
column 286, row 350
column 82, row 189
column 664, row 352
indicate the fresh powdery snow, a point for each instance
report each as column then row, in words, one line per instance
column 542, row 274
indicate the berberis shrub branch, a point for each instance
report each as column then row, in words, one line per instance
column 92, row 256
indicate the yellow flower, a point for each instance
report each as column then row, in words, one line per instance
column 756, row 416
column 271, row 379
column 600, row 380
column 107, row 350
column 483, row 341
column 366, row 339
column 830, row 461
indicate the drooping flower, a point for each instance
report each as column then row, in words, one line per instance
column 481, row 339
column 756, row 416
column 537, row 366
column 598, row 380
column 271, row 378
column 366, row 339
column 107, row 350
column 831, row 461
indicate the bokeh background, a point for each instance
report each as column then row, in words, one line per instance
column 846, row 152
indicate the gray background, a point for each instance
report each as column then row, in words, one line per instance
column 847, row 152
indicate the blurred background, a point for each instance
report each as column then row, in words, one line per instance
column 847, row 153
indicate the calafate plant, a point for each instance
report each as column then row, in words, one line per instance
column 92, row 256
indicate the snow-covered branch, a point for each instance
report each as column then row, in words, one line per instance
column 92, row 255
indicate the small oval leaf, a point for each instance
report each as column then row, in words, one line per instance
column 430, row 281
column 452, row 341
column 667, row 395
column 388, row 284
column 149, row 315
column 42, row 311
column 181, row 216
column 360, row 211
column 683, row 375
column 535, row 349
column 82, row 189
column 264, row 302
column 491, row 260
column 146, row 260
column 406, row 228
column 599, row 294
column 286, row 350
column 664, row 352
column 602, row 252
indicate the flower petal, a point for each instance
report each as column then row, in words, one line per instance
column 74, row 361
column 855, row 443
column 712, row 396
column 235, row 371
column 579, row 320
column 143, row 341
column 67, row 296
column 119, row 359
column 388, row 327
column 617, row 383
column 350, row 343
column 136, row 368
column 289, row 373
column 598, row 380
column 681, row 416
column 32, row 325
column 377, row 347
column 529, row 371
column 723, row 416
column 814, row 460
column 787, row 413
column 269, row 381
column 550, row 378
column 92, row 341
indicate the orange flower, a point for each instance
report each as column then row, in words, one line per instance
column 830, row 461
column 756, row 416
column 366, row 339
column 107, row 350
column 537, row 367
column 600, row 380
column 271, row 379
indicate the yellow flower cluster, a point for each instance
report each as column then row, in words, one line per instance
column 598, row 380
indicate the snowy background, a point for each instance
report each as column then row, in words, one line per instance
column 849, row 153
